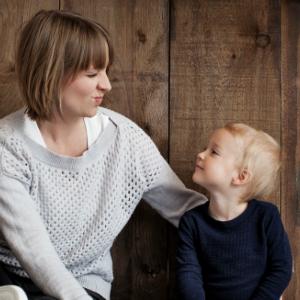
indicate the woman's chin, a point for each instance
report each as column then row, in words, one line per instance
column 91, row 113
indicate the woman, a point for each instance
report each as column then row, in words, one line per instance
column 71, row 173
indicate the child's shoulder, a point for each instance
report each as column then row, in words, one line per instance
column 196, row 212
column 265, row 210
column 194, row 218
column 265, row 206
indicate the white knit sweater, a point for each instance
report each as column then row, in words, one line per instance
column 60, row 215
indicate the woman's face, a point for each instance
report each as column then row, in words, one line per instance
column 82, row 96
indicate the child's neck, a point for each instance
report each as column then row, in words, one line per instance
column 224, row 208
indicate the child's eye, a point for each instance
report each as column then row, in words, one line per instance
column 214, row 152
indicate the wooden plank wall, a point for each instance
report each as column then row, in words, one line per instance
column 183, row 68
column 290, row 126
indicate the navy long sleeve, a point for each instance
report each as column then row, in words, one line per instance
column 247, row 258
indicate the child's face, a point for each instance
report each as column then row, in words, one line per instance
column 217, row 166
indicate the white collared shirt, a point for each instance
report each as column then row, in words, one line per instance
column 94, row 126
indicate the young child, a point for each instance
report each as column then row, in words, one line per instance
column 234, row 247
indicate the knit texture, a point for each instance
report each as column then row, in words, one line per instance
column 247, row 258
column 81, row 203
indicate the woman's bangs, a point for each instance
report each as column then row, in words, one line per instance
column 97, row 54
column 92, row 49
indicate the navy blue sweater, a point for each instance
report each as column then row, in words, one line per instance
column 246, row 258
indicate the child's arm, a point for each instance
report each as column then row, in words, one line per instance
column 279, row 267
column 188, row 269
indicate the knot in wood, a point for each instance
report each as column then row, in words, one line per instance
column 141, row 36
column 151, row 271
column 262, row 40
column 12, row 68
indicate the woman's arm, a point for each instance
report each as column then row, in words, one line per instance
column 169, row 196
column 28, row 239
column 164, row 191
column 188, row 269
column 279, row 264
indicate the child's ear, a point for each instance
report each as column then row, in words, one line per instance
column 242, row 177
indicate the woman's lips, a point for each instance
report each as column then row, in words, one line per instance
column 98, row 100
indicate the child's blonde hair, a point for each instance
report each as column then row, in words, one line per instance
column 261, row 157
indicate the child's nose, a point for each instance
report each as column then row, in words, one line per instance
column 201, row 155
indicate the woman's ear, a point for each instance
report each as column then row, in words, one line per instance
column 242, row 177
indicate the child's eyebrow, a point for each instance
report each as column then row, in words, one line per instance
column 216, row 146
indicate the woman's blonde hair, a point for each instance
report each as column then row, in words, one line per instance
column 54, row 46
column 260, row 156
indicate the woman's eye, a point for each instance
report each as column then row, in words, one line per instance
column 91, row 75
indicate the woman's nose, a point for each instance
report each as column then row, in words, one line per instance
column 104, row 83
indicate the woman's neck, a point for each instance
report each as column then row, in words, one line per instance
column 224, row 208
column 64, row 136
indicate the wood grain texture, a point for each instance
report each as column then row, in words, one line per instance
column 139, row 76
column 222, row 61
column 13, row 15
column 225, row 66
column 290, row 202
